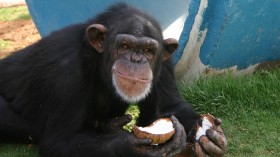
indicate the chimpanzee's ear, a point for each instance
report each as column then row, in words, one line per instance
column 170, row 45
column 95, row 34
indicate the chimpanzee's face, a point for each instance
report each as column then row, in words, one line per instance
column 132, row 72
column 135, row 52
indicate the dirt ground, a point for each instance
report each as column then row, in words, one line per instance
column 19, row 34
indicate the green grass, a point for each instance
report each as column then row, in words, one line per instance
column 249, row 107
column 14, row 13
column 13, row 150
column 232, row 96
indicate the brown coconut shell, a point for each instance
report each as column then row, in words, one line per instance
column 209, row 117
column 156, row 138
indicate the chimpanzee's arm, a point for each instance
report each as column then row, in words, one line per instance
column 168, row 102
column 86, row 144
column 67, row 136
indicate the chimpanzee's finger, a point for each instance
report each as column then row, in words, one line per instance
column 143, row 141
column 122, row 121
column 178, row 141
column 209, row 147
column 119, row 122
column 180, row 136
column 217, row 138
column 198, row 151
column 176, row 124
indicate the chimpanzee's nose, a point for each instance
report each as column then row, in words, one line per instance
column 137, row 57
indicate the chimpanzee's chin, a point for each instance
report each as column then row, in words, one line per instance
column 131, row 90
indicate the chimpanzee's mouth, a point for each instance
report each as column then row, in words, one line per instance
column 132, row 82
column 131, row 78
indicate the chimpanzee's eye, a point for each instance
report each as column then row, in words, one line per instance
column 148, row 53
column 146, row 50
column 124, row 46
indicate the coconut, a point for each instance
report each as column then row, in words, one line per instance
column 207, row 123
column 159, row 131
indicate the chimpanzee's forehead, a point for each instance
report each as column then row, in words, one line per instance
column 138, row 26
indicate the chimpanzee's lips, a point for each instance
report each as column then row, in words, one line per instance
column 125, row 76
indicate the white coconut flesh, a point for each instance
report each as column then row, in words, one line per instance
column 206, row 124
column 161, row 126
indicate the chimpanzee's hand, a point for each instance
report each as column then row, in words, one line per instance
column 213, row 143
column 143, row 147
column 175, row 145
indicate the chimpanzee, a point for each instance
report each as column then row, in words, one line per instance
column 69, row 91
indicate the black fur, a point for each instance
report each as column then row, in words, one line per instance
column 56, row 91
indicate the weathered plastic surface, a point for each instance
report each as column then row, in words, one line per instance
column 222, row 34
column 239, row 32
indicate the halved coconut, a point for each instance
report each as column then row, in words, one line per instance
column 159, row 131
